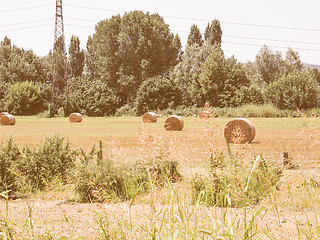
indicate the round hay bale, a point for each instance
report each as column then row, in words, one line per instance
column 75, row 118
column 204, row 114
column 7, row 119
column 149, row 117
column 239, row 130
column 174, row 123
column 3, row 113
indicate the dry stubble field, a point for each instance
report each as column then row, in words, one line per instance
column 289, row 212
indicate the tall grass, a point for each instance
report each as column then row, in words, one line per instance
column 100, row 180
column 234, row 182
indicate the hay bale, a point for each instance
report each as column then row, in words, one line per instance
column 174, row 123
column 239, row 130
column 150, row 117
column 3, row 113
column 7, row 119
column 75, row 118
column 204, row 114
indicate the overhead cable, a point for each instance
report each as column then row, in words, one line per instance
column 271, row 46
column 25, row 8
column 22, row 23
column 29, row 27
column 206, row 20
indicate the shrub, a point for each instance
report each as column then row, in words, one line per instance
column 126, row 110
column 248, row 95
column 234, row 183
column 99, row 180
column 251, row 110
column 9, row 156
column 297, row 90
column 49, row 161
column 24, row 99
column 157, row 92
column 183, row 111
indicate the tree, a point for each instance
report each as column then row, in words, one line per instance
column 186, row 73
column 269, row 65
column 292, row 62
column 18, row 65
column 59, row 65
column 195, row 37
column 6, row 42
column 213, row 33
column 221, row 79
column 76, row 57
column 90, row 67
column 129, row 49
column 315, row 73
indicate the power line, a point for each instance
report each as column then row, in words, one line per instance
column 23, row 28
column 227, row 36
column 273, row 40
column 79, row 26
column 82, row 19
column 22, row 23
column 25, row 8
column 206, row 20
column 271, row 46
column 95, row 8
column 272, row 26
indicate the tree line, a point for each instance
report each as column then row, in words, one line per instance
column 134, row 62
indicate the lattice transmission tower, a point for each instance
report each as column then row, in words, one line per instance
column 59, row 61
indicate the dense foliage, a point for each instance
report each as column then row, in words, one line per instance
column 134, row 63
column 297, row 90
column 235, row 183
column 220, row 79
column 129, row 49
column 157, row 92
column 18, row 65
column 25, row 98
column 195, row 36
column 91, row 97
column 96, row 179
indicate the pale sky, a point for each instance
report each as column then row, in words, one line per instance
column 247, row 25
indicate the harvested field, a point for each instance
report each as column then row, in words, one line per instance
column 294, row 207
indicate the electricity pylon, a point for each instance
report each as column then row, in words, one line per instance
column 59, row 62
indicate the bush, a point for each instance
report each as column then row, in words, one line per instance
column 24, row 99
column 234, row 183
column 49, row 161
column 248, row 95
column 183, row 111
column 157, row 92
column 126, row 110
column 9, row 156
column 99, row 180
column 297, row 90
column 251, row 110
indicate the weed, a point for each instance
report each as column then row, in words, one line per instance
column 49, row 161
column 232, row 185
column 9, row 156
column 99, row 180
